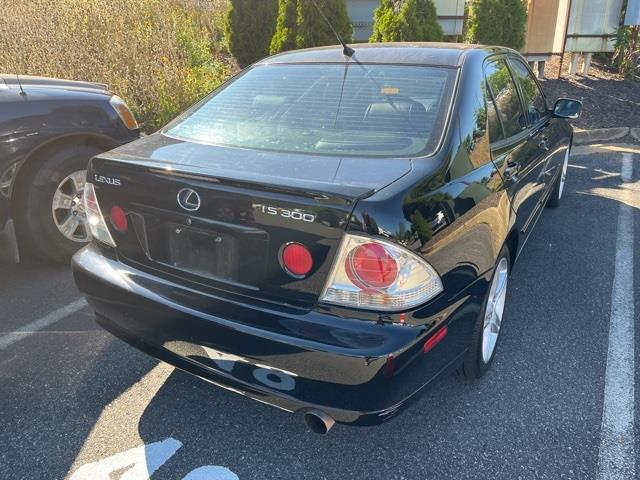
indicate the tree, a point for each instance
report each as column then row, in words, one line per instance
column 406, row 20
column 249, row 27
column 497, row 22
column 428, row 19
column 299, row 24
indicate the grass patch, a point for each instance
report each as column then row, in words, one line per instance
column 159, row 55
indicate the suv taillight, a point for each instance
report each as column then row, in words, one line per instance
column 376, row 274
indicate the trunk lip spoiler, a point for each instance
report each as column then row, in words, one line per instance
column 305, row 188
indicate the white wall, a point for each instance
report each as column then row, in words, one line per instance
column 633, row 13
column 587, row 20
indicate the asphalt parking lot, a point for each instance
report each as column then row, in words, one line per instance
column 77, row 403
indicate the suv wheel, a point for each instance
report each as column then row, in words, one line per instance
column 67, row 207
column 53, row 224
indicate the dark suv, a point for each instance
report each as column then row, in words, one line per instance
column 49, row 129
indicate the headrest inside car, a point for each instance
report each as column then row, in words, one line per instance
column 398, row 116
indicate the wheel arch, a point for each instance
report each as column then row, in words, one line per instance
column 512, row 242
column 33, row 160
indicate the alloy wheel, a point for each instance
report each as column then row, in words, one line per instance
column 494, row 309
column 67, row 207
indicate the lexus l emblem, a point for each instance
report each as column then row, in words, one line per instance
column 189, row 199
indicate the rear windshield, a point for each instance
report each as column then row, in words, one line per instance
column 331, row 109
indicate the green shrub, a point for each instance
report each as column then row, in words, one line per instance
column 300, row 25
column 159, row 55
column 428, row 18
column 406, row 21
column 249, row 27
column 497, row 22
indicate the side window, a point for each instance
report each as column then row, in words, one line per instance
column 493, row 122
column 506, row 98
column 533, row 97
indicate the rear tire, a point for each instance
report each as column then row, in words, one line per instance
column 486, row 333
column 52, row 224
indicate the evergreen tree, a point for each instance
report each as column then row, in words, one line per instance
column 249, row 27
column 430, row 29
column 497, row 22
column 406, row 20
column 284, row 37
column 300, row 25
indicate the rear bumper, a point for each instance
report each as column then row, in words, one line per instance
column 292, row 359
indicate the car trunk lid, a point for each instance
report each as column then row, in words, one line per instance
column 218, row 217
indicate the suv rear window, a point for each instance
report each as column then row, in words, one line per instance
column 331, row 109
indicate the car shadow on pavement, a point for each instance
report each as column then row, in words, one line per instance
column 254, row 440
column 106, row 378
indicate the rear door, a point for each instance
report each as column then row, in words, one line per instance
column 516, row 144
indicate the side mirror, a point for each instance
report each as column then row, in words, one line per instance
column 567, row 108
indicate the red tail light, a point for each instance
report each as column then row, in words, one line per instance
column 296, row 259
column 377, row 274
column 119, row 219
column 371, row 266
column 389, row 367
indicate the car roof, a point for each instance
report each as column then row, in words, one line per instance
column 414, row 53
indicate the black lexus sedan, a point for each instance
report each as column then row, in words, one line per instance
column 49, row 129
column 329, row 233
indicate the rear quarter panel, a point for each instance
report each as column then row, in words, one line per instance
column 452, row 210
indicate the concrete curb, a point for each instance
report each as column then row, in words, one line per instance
column 635, row 134
column 585, row 137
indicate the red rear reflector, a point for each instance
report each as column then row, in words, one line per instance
column 435, row 339
column 296, row 259
column 119, row 219
column 390, row 367
column 371, row 266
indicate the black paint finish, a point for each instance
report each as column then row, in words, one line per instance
column 253, row 329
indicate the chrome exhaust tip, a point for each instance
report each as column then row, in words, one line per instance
column 318, row 422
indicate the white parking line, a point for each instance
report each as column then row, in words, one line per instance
column 139, row 463
column 39, row 324
column 616, row 460
column 120, row 419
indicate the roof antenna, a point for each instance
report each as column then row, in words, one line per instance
column 346, row 49
column 22, row 92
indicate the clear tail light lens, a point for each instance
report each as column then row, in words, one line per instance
column 375, row 274
column 97, row 225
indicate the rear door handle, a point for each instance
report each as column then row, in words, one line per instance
column 543, row 143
